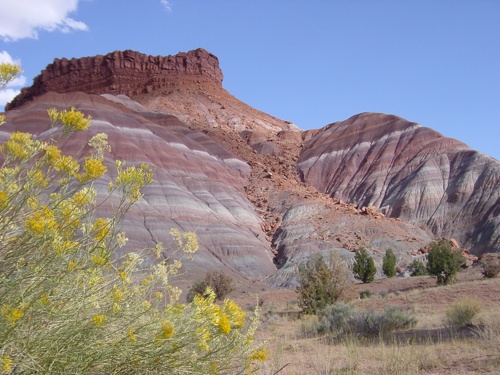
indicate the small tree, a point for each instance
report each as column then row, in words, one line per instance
column 321, row 282
column 364, row 267
column 444, row 262
column 417, row 268
column 389, row 264
column 219, row 282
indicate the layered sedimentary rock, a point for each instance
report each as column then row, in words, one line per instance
column 198, row 185
column 122, row 72
column 410, row 172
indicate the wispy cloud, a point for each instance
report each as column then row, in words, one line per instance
column 166, row 5
column 24, row 19
column 14, row 87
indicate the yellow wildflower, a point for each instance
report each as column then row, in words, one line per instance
column 71, row 265
column 131, row 335
column 158, row 296
column 62, row 247
column 33, row 202
column 118, row 294
column 259, row 355
column 53, row 115
column 116, row 308
column 204, row 335
column 166, row 330
column 41, row 221
column 12, row 314
column 44, row 299
column 74, row 121
column 101, row 228
column 146, row 281
column 83, row 197
column 67, row 165
column 20, row 145
column 6, row 362
column 4, row 199
column 214, row 368
column 237, row 315
column 224, row 323
column 99, row 320
column 145, row 305
column 93, row 169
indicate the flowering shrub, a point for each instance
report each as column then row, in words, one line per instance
column 69, row 304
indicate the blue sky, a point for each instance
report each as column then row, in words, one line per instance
column 313, row 62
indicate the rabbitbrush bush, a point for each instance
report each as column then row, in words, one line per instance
column 69, row 304
column 341, row 320
column 462, row 312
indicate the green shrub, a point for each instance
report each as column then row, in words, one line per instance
column 219, row 282
column 389, row 263
column 69, row 303
column 321, row 282
column 417, row 268
column 462, row 312
column 444, row 262
column 364, row 266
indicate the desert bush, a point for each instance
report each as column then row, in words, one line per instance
column 69, row 303
column 417, row 268
column 444, row 262
column 219, row 282
column 491, row 265
column 341, row 320
column 336, row 319
column 389, row 263
column 371, row 324
column 462, row 312
column 364, row 266
column 365, row 294
column 321, row 282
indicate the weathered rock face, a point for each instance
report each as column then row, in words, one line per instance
column 198, row 185
column 410, row 172
column 122, row 72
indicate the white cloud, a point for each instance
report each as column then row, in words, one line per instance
column 5, row 57
column 14, row 87
column 24, row 19
column 6, row 95
column 166, row 5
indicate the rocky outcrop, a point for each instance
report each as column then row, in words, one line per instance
column 409, row 172
column 122, row 72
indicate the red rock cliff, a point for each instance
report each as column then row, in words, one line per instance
column 121, row 72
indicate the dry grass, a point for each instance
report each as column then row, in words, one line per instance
column 428, row 350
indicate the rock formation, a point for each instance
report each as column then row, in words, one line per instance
column 229, row 171
column 122, row 72
column 410, row 172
